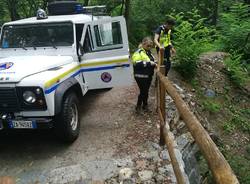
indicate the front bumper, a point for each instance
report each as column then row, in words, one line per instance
column 8, row 121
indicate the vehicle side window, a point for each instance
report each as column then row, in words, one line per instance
column 107, row 36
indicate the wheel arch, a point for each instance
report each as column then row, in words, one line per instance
column 67, row 86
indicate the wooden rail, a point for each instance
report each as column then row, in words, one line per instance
column 220, row 168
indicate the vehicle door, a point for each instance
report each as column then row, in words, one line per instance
column 104, row 48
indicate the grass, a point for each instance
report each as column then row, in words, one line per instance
column 240, row 165
column 240, row 120
column 211, row 105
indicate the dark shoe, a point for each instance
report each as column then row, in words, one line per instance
column 145, row 107
column 137, row 109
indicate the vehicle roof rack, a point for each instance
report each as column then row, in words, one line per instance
column 95, row 10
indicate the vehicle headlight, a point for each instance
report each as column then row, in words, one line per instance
column 29, row 97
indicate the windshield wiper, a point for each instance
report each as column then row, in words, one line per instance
column 53, row 43
column 23, row 45
column 24, row 48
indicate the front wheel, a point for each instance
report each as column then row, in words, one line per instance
column 67, row 124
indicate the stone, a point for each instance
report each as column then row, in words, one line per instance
column 141, row 164
column 153, row 155
column 156, row 146
column 165, row 155
column 129, row 181
column 184, row 140
column 180, row 125
column 159, row 179
column 162, row 170
column 124, row 163
column 125, row 173
column 192, row 103
column 98, row 182
column 210, row 93
column 145, row 175
column 178, row 88
column 112, row 181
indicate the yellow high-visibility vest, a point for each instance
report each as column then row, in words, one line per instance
column 165, row 38
column 140, row 56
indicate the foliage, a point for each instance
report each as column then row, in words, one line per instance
column 192, row 38
column 240, row 120
column 237, row 72
column 234, row 28
column 211, row 105
column 239, row 163
column 146, row 16
column 240, row 166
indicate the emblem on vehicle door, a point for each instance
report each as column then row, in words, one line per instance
column 5, row 66
column 106, row 77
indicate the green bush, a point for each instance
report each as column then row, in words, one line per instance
column 234, row 28
column 236, row 70
column 192, row 38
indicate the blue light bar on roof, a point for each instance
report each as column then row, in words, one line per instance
column 79, row 8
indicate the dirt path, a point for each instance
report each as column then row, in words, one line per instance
column 111, row 137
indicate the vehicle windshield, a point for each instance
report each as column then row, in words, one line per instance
column 37, row 35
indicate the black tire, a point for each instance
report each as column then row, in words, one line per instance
column 67, row 125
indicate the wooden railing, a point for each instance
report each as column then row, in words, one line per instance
column 218, row 165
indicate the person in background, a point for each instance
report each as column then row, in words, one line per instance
column 144, row 64
column 162, row 39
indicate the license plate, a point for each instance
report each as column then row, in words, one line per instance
column 21, row 124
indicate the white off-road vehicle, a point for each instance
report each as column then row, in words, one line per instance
column 48, row 62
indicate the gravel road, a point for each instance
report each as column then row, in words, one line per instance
column 111, row 136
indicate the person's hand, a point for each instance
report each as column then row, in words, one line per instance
column 161, row 47
column 173, row 51
column 153, row 63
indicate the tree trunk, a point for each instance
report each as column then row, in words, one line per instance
column 126, row 14
column 123, row 2
column 215, row 12
column 86, row 2
column 247, row 1
column 12, row 7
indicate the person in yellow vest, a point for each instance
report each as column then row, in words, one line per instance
column 144, row 64
column 162, row 39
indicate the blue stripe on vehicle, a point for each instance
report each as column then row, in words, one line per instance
column 34, row 125
column 51, row 89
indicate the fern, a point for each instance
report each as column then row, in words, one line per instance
column 192, row 38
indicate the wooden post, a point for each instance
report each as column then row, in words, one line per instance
column 220, row 168
column 168, row 140
column 7, row 180
column 161, row 94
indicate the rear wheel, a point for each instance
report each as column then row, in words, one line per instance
column 67, row 125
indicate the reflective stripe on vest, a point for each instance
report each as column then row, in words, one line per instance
column 140, row 56
column 165, row 38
